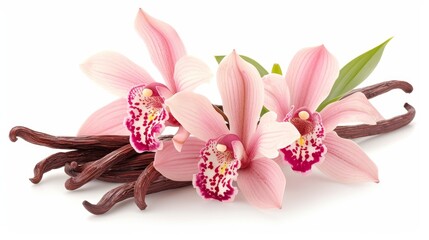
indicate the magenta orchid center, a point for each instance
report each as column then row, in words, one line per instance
column 309, row 148
column 303, row 125
column 146, row 118
column 218, row 168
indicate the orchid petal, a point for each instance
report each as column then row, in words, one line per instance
column 197, row 115
column 310, row 76
column 146, row 118
column 346, row 162
column 272, row 136
column 115, row 72
column 242, row 93
column 309, row 148
column 164, row 45
column 354, row 108
column 109, row 120
column 218, row 169
column 180, row 137
column 277, row 95
column 179, row 166
column 262, row 183
column 190, row 72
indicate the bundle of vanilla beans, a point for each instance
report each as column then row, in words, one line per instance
column 113, row 159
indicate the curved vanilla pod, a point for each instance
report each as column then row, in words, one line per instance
column 85, row 142
column 97, row 168
column 59, row 159
column 383, row 126
column 142, row 185
column 126, row 191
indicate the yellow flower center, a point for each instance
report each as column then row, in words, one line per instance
column 301, row 141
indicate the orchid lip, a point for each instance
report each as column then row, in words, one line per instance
column 147, row 117
column 308, row 149
column 218, row 169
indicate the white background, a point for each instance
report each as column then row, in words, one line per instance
column 43, row 42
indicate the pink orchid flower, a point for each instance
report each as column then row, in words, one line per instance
column 242, row 153
column 148, row 114
column 309, row 79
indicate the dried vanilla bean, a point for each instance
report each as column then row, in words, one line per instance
column 69, row 169
column 58, row 160
column 137, row 162
column 120, row 176
column 140, row 161
column 76, row 167
column 109, row 199
column 384, row 126
column 142, row 185
column 128, row 169
column 114, row 176
column 126, row 190
column 163, row 183
column 383, row 87
column 98, row 167
column 85, row 143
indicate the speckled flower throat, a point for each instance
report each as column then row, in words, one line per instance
column 309, row 148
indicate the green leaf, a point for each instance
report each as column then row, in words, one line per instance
column 219, row 58
column 263, row 111
column 258, row 66
column 354, row 73
column 276, row 69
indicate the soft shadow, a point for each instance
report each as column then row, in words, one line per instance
column 119, row 207
column 50, row 179
column 394, row 136
column 306, row 192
